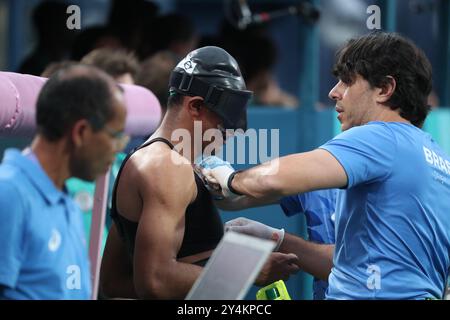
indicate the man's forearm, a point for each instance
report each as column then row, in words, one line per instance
column 244, row 202
column 259, row 182
column 293, row 174
column 314, row 258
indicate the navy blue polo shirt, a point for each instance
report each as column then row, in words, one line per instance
column 43, row 251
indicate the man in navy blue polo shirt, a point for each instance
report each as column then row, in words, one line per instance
column 80, row 117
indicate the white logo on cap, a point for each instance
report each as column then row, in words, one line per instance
column 187, row 65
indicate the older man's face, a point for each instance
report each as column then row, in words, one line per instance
column 98, row 153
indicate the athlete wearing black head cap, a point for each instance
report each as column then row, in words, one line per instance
column 165, row 223
column 213, row 74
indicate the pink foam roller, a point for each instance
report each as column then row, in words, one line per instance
column 144, row 110
column 19, row 93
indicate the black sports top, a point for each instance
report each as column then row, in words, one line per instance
column 203, row 226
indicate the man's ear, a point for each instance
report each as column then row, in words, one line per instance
column 194, row 107
column 80, row 132
column 387, row 89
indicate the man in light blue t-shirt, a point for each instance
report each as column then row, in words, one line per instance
column 80, row 117
column 398, row 246
column 392, row 217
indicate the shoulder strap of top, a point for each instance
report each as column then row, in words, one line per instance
column 114, row 211
column 153, row 141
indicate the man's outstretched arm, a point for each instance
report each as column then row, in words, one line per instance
column 212, row 169
column 298, row 173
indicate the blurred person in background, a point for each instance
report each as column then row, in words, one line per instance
column 257, row 53
column 154, row 74
column 54, row 67
column 54, row 38
column 173, row 32
column 119, row 64
column 95, row 37
column 130, row 20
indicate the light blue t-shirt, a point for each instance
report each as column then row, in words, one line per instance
column 319, row 209
column 393, row 219
column 43, row 251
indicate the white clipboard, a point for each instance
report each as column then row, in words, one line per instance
column 232, row 268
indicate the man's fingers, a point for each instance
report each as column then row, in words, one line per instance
column 292, row 259
column 293, row 268
column 289, row 270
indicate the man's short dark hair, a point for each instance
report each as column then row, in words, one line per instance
column 379, row 55
column 74, row 93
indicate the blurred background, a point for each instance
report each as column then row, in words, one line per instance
column 285, row 49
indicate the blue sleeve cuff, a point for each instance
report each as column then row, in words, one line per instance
column 8, row 277
column 335, row 153
column 292, row 205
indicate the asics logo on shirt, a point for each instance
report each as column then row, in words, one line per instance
column 55, row 240
column 333, row 217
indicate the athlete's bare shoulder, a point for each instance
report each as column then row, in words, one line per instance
column 157, row 168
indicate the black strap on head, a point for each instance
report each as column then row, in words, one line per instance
column 227, row 103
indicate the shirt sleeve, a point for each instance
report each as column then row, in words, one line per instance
column 12, row 225
column 366, row 152
column 292, row 205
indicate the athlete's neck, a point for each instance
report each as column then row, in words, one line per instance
column 174, row 130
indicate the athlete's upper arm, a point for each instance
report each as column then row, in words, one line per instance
column 166, row 191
